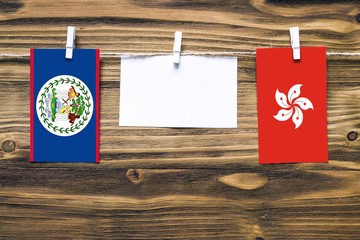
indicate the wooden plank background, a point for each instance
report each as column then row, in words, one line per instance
column 180, row 183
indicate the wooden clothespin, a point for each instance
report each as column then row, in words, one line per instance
column 177, row 47
column 70, row 42
column 295, row 42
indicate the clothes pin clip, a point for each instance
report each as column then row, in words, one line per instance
column 295, row 42
column 70, row 42
column 177, row 47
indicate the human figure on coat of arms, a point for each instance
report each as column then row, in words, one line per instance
column 64, row 105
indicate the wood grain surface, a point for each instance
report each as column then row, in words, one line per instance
column 166, row 183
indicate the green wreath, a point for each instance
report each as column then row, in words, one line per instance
column 82, row 120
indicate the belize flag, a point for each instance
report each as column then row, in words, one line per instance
column 64, row 105
column 292, row 116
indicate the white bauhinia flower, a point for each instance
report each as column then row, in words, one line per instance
column 292, row 105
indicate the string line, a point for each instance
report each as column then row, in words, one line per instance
column 128, row 54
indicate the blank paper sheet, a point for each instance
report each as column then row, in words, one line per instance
column 200, row 92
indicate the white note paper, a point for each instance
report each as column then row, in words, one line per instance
column 200, row 92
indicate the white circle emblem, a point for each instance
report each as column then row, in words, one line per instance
column 64, row 105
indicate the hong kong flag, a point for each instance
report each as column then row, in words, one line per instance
column 292, row 116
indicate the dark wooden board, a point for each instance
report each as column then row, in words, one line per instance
column 166, row 183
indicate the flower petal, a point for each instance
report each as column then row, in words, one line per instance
column 281, row 99
column 297, row 117
column 304, row 103
column 283, row 114
column 294, row 92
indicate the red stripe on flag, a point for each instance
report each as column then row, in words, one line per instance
column 97, row 106
column 32, row 105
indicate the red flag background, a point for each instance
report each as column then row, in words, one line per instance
column 302, row 89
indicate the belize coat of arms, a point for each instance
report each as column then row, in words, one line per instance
column 64, row 105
